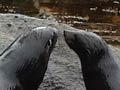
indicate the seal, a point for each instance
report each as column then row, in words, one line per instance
column 100, row 67
column 24, row 63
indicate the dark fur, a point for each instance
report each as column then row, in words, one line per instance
column 24, row 63
column 101, row 69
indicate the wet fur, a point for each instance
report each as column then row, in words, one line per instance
column 101, row 69
column 24, row 63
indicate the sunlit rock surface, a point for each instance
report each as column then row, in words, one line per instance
column 64, row 69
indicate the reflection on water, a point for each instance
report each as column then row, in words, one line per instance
column 82, row 16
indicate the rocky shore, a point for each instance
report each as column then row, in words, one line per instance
column 64, row 69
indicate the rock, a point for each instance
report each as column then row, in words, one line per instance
column 12, row 25
column 64, row 69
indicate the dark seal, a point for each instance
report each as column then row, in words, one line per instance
column 24, row 63
column 101, row 69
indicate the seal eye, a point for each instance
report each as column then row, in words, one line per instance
column 49, row 42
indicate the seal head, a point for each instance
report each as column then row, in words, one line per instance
column 99, row 66
column 24, row 62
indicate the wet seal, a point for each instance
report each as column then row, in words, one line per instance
column 24, row 63
column 100, row 67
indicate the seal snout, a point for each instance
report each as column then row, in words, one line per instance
column 67, row 33
column 69, row 37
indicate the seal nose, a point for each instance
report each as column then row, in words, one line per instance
column 68, row 35
column 64, row 33
column 55, row 34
